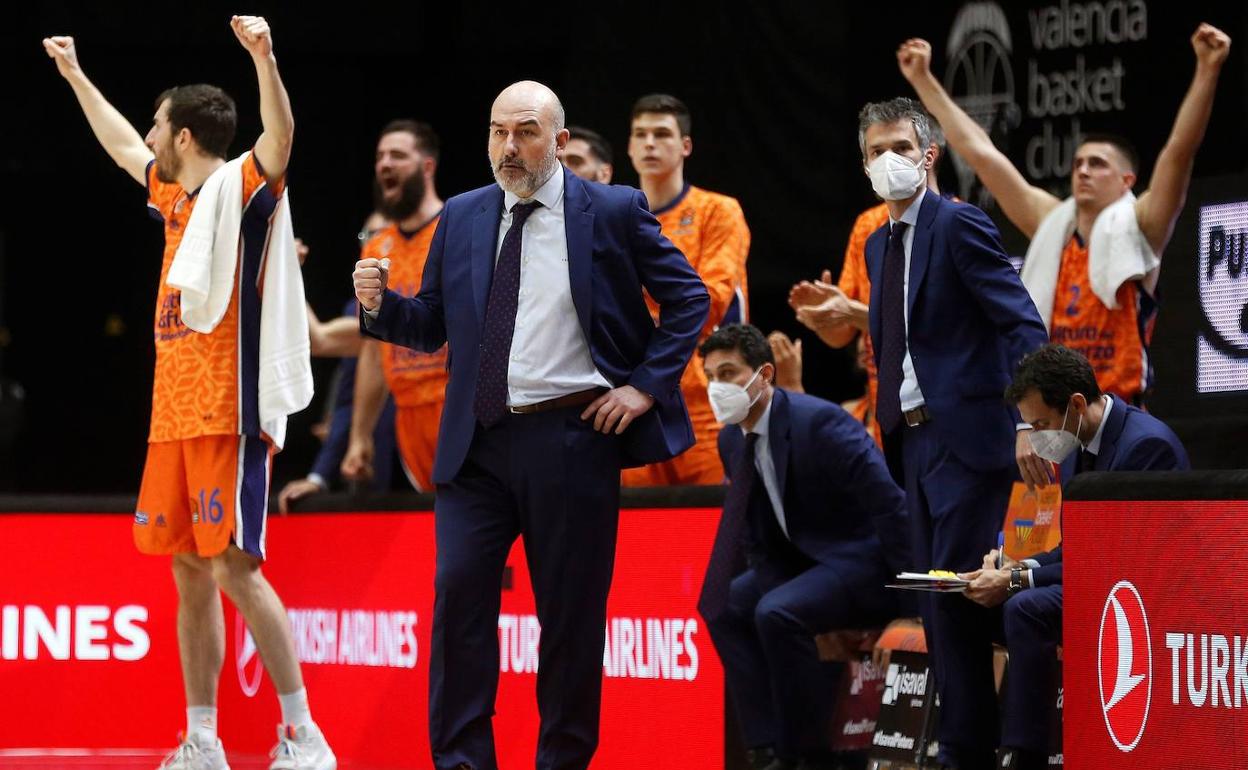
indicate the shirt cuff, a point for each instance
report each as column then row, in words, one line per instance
column 318, row 480
column 1030, row 563
column 1030, row 583
column 370, row 316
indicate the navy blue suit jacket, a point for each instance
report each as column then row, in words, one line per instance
column 614, row 250
column 840, row 503
column 1133, row 440
column 971, row 321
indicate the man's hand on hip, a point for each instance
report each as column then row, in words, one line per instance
column 617, row 408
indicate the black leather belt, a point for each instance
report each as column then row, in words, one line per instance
column 916, row 416
column 572, row 399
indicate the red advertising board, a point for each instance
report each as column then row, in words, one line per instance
column 1155, row 638
column 88, row 650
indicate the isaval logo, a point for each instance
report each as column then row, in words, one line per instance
column 901, row 681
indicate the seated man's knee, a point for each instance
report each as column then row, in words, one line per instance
column 1023, row 611
column 770, row 614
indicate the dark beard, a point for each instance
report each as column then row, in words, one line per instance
column 411, row 193
column 168, row 172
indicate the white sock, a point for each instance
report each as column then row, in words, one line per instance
column 201, row 722
column 295, row 711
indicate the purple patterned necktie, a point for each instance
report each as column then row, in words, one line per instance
column 730, row 538
column 490, row 402
column 892, row 342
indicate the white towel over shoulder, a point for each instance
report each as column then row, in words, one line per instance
column 204, row 270
column 1117, row 252
column 203, row 267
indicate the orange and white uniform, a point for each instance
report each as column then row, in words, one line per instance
column 417, row 380
column 710, row 230
column 1114, row 341
column 206, row 479
column 856, row 284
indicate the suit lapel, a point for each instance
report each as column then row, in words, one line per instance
column 578, row 224
column 921, row 246
column 778, row 437
column 484, row 241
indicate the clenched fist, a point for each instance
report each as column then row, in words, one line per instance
column 1211, row 45
column 914, row 58
column 370, row 278
column 61, row 50
column 254, row 34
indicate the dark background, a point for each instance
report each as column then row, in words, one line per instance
column 774, row 89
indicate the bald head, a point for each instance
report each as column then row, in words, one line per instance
column 530, row 96
column 526, row 133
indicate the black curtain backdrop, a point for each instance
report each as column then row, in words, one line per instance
column 774, row 89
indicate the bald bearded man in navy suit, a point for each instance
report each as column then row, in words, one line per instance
column 559, row 377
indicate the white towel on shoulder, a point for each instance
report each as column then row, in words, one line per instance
column 204, row 270
column 285, row 351
column 1117, row 252
column 203, row 267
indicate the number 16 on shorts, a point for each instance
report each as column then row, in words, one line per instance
column 207, row 507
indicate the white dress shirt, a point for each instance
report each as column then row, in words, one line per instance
column 549, row 353
column 766, row 466
column 911, row 395
column 1094, row 446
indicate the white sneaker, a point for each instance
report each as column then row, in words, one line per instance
column 302, row 748
column 191, row 754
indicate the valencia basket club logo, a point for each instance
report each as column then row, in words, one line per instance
column 1125, row 665
column 246, row 658
column 981, row 80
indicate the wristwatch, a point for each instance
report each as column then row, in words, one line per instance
column 1016, row 580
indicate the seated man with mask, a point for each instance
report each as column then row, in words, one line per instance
column 1056, row 392
column 823, row 527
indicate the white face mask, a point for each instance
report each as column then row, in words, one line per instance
column 1056, row 445
column 731, row 402
column 895, row 177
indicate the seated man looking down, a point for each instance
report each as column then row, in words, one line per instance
column 1056, row 393
column 823, row 526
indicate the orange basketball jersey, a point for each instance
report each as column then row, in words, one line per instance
column 711, row 232
column 1114, row 341
column 413, row 377
column 207, row 384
